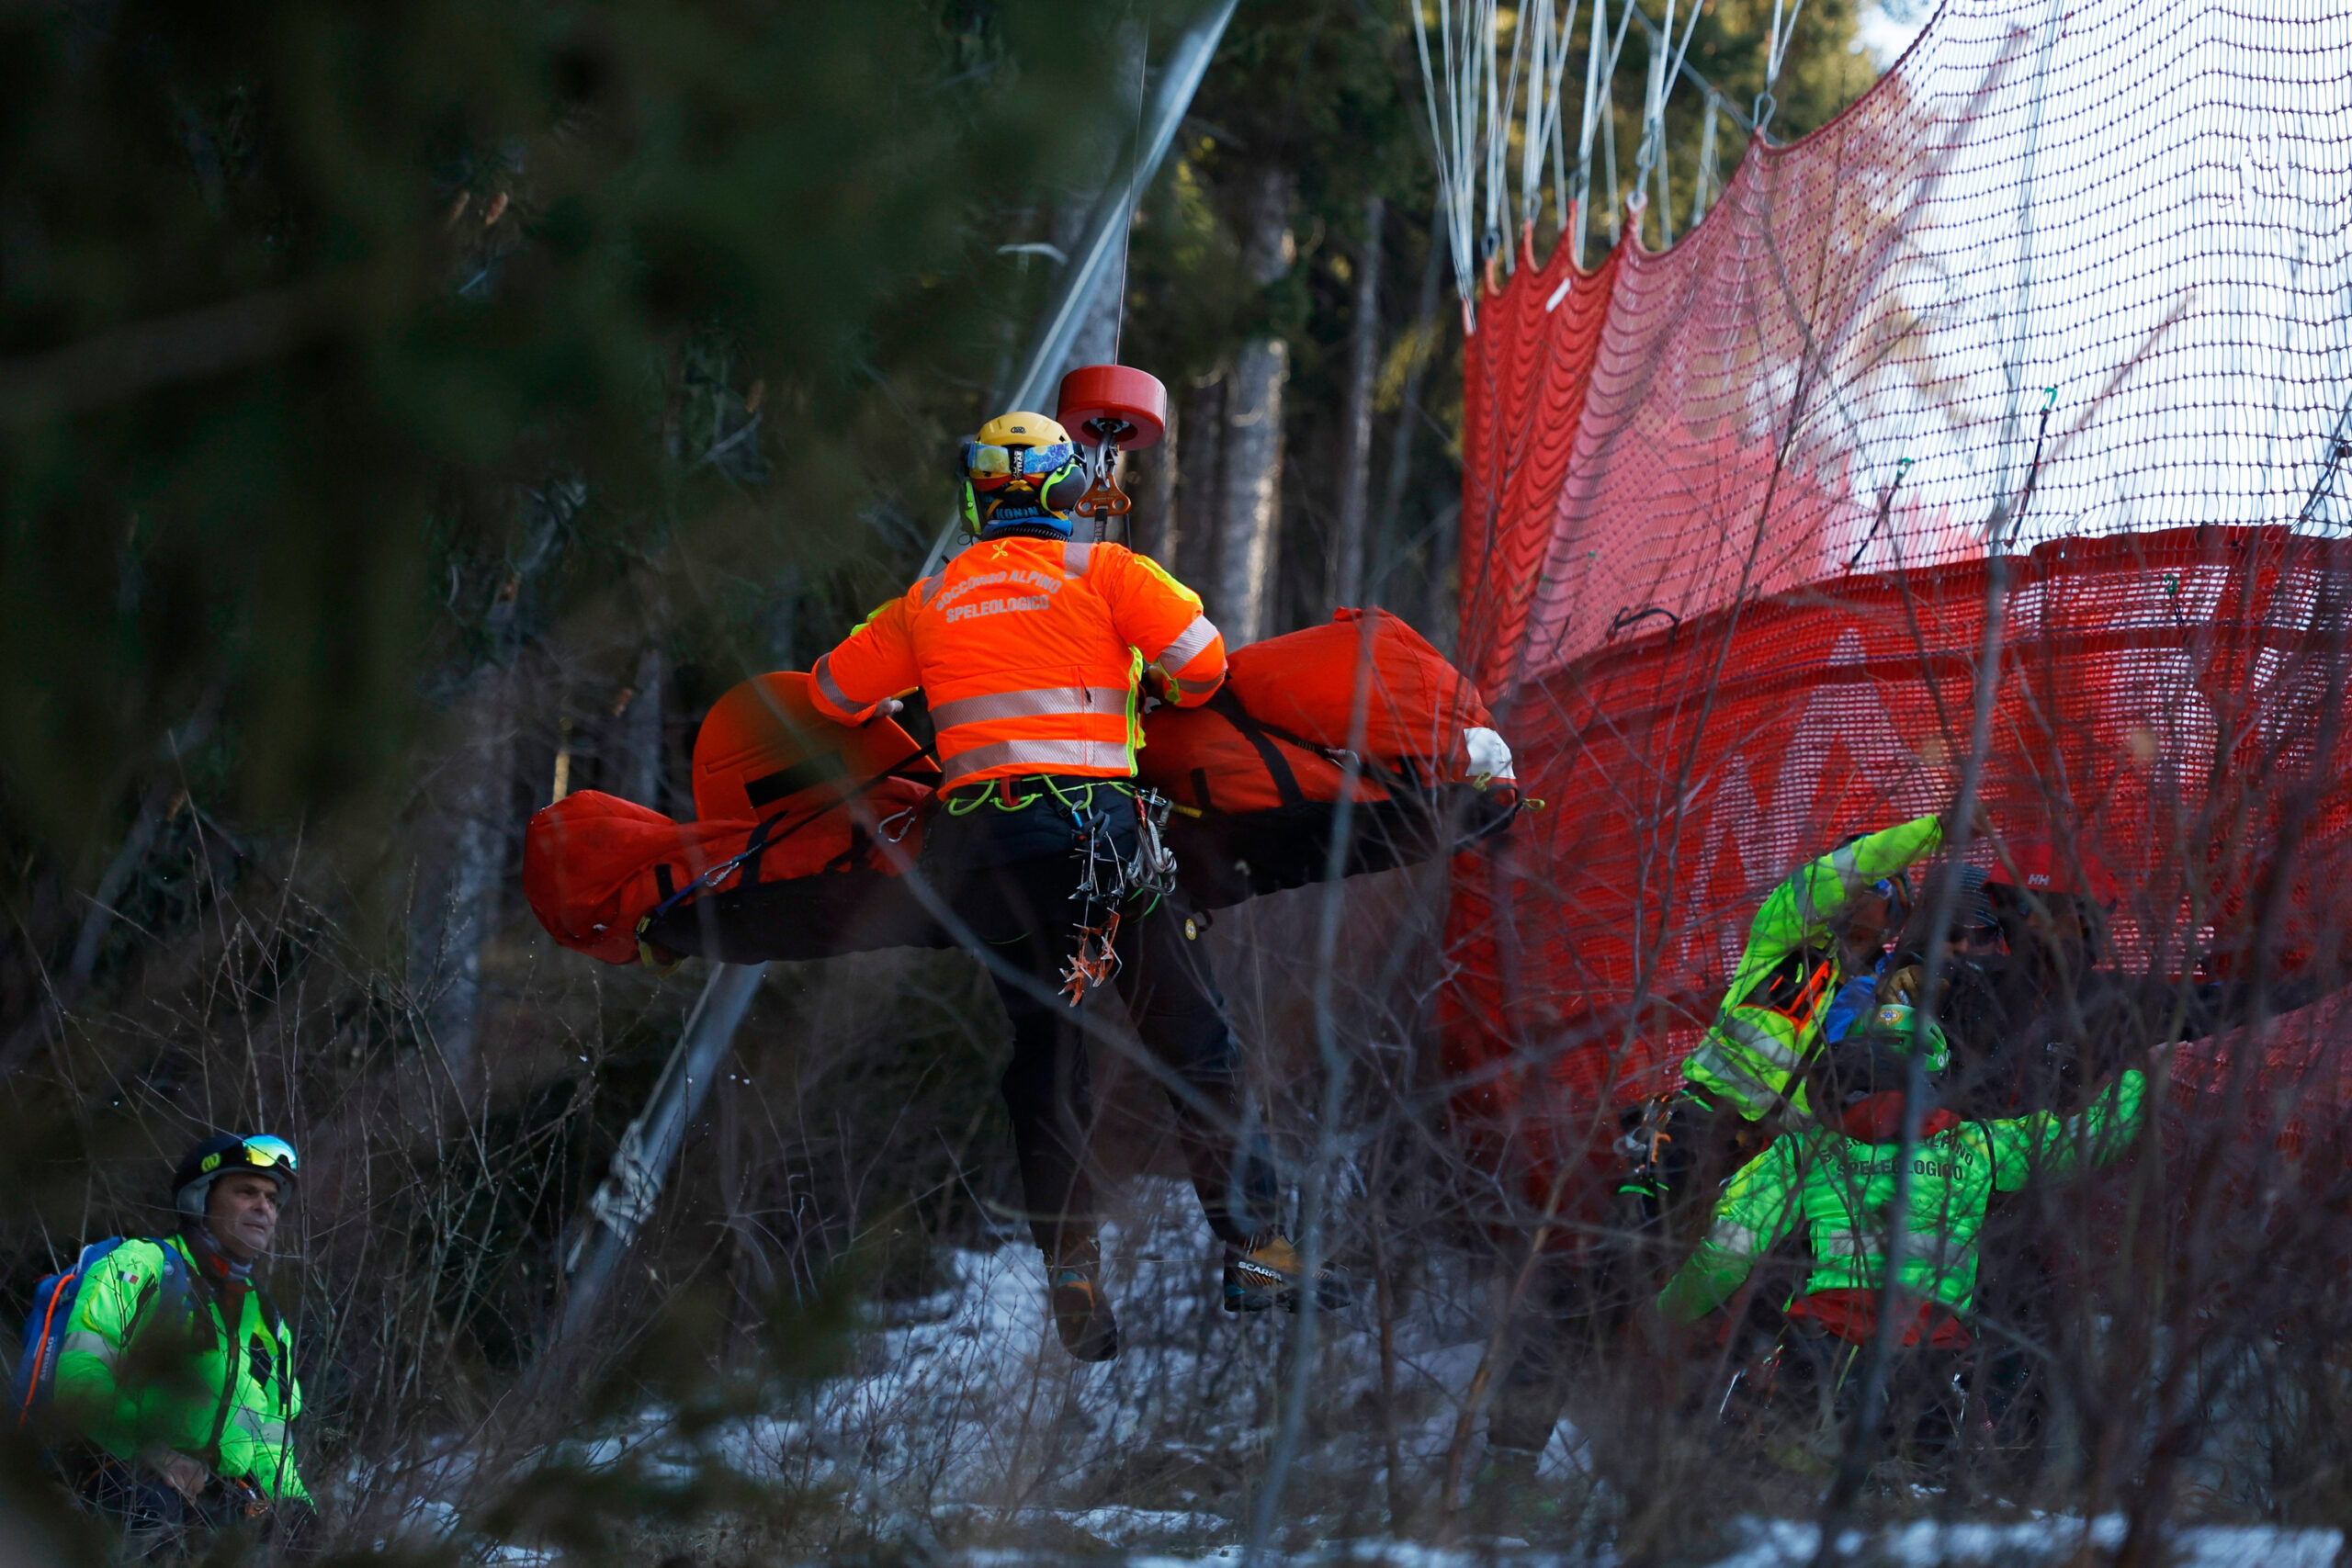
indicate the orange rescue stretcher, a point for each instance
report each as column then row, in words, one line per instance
column 805, row 827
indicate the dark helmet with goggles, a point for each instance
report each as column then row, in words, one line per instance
column 1876, row 1055
column 231, row 1153
column 1021, row 468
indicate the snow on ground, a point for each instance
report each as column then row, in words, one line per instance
column 964, row 1413
column 966, row 1400
column 963, row 1429
column 1789, row 1543
column 1783, row 1543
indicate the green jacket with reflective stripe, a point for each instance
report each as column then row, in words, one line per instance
column 1757, row 1044
column 223, row 1393
column 1843, row 1189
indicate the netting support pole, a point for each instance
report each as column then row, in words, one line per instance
column 1105, row 240
column 2322, row 490
column 640, row 1166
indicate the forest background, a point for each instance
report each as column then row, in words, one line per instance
column 413, row 413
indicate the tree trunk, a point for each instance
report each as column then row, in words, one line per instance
column 1252, row 503
column 1200, row 486
column 1408, row 405
column 468, row 803
column 749, row 1271
column 639, row 768
column 1355, row 449
column 1097, row 339
column 465, row 860
column 1152, row 526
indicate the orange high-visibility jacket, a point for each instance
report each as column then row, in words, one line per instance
column 1029, row 652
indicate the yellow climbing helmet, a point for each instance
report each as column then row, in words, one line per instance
column 1020, row 467
column 1028, row 430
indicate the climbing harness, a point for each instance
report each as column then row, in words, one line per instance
column 1108, row 882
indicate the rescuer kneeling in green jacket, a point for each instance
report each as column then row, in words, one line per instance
column 1830, row 920
column 1840, row 1177
column 174, row 1384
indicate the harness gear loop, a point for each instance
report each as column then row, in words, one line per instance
column 1107, row 882
column 1096, row 960
column 1644, row 1146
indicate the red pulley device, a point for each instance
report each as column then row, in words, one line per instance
column 1111, row 408
column 1113, row 403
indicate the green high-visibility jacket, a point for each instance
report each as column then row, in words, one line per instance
column 220, row 1392
column 1843, row 1189
column 1769, row 1024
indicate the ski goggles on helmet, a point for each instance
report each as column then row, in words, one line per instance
column 227, row 1153
column 265, row 1152
column 989, row 466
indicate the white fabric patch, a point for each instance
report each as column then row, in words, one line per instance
column 1489, row 755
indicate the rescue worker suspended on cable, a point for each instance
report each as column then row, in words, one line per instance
column 1030, row 649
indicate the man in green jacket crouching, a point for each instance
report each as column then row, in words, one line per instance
column 1828, row 922
column 173, row 1389
column 1842, row 1175
column 1830, row 919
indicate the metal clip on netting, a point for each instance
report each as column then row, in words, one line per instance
column 1885, row 506
column 1110, row 408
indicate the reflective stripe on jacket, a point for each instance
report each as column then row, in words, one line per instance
column 1843, row 1187
column 1756, row 1045
column 1028, row 651
column 225, row 1394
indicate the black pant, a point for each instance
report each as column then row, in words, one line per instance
column 1009, row 875
column 157, row 1524
column 1559, row 1317
column 1803, row 1397
column 1680, row 1149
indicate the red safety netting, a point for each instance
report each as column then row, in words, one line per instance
column 2075, row 280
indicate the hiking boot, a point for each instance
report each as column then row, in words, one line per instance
column 1268, row 1273
column 1083, row 1315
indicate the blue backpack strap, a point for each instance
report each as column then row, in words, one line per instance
column 171, row 1286
column 54, row 1300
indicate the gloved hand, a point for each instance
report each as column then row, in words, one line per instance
column 1979, row 821
column 184, row 1474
